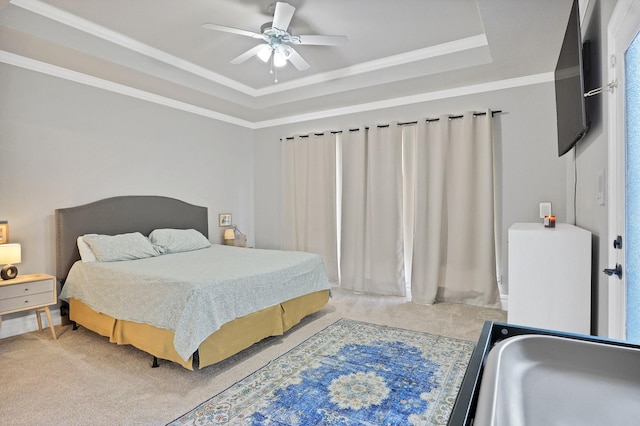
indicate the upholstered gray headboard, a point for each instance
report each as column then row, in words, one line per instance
column 120, row 215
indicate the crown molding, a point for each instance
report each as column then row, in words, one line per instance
column 81, row 24
column 413, row 99
column 89, row 80
column 380, row 64
column 66, row 74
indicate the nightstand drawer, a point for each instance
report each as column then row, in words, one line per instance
column 26, row 289
column 26, row 301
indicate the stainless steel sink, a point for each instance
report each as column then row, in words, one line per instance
column 548, row 380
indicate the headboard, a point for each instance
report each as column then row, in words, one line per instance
column 118, row 215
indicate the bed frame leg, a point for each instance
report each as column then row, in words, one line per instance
column 155, row 362
column 75, row 325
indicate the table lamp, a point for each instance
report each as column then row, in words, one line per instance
column 229, row 237
column 9, row 254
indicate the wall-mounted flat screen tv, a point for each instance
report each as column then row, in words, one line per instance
column 571, row 115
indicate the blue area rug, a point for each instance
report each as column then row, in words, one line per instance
column 351, row 373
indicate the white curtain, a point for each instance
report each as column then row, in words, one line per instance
column 372, row 255
column 454, row 240
column 309, row 197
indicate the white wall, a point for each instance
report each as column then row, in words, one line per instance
column 64, row 144
column 529, row 170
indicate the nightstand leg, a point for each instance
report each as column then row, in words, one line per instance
column 48, row 314
column 53, row 330
column 39, row 319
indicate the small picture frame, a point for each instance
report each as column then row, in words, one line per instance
column 4, row 232
column 224, row 219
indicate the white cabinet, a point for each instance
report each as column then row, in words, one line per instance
column 550, row 277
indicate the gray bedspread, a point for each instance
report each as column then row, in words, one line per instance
column 195, row 293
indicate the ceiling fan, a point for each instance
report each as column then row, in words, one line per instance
column 277, row 47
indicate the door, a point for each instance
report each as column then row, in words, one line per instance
column 624, row 166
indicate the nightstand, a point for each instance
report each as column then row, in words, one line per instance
column 29, row 292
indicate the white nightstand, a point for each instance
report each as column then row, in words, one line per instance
column 29, row 292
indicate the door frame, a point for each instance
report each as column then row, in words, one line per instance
column 622, row 28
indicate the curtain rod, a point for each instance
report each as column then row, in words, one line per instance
column 428, row 120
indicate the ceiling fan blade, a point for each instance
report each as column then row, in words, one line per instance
column 297, row 60
column 216, row 27
column 282, row 15
column 246, row 55
column 320, row 40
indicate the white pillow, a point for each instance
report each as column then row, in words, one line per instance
column 112, row 248
column 86, row 255
column 178, row 240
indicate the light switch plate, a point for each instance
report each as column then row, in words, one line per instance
column 545, row 210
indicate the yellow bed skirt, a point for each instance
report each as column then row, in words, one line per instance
column 230, row 339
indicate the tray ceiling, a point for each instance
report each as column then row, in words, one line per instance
column 398, row 51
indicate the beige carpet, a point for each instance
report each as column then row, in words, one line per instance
column 83, row 379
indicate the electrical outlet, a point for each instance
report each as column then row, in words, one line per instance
column 545, row 210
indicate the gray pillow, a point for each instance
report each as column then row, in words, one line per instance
column 112, row 248
column 178, row 240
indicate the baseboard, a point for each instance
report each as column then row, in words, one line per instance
column 504, row 302
column 27, row 323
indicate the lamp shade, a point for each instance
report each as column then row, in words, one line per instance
column 265, row 53
column 10, row 253
column 279, row 59
column 229, row 234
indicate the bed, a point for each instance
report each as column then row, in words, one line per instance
column 181, row 306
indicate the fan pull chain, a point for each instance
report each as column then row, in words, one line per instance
column 271, row 64
column 273, row 67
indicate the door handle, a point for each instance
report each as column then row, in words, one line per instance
column 616, row 271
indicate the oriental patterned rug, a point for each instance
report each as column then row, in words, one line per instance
column 351, row 373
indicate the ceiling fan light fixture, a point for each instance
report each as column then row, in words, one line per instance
column 276, row 50
column 265, row 53
column 279, row 59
